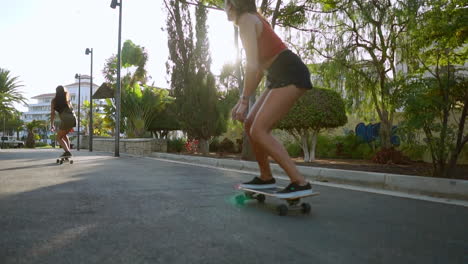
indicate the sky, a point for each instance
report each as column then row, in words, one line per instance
column 44, row 42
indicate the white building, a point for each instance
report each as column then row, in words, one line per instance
column 41, row 109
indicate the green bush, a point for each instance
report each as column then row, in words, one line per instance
column 413, row 151
column 363, row 151
column 326, row 147
column 214, row 145
column 238, row 145
column 227, row 146
column 349, row 146
column 176, row 145
column 294, row 149
column 463, row 154
column 40, row 144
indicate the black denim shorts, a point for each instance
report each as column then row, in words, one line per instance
column 288, row 69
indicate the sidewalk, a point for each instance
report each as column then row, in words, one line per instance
column 436, row 187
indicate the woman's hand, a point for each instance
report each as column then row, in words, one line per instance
column 52, row 128
column 234, row 110
column 239, row 112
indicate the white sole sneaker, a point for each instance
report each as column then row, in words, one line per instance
column 258, row 186
column 294, row 194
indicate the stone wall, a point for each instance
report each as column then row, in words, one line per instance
column 136, row 146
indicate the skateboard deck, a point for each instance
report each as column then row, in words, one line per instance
column 282, row 209
column 273, row 191
column 61, row 160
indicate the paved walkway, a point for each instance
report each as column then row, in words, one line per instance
column 141, row 210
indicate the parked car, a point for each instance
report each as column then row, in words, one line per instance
column 11, row 142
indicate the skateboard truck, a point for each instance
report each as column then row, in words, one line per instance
column 282, row 209
column 61, row 160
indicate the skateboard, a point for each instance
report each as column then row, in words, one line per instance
column 61, row 160
column 282, row 209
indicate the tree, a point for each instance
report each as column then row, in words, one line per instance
column 289, row 15
column 32, row 126
column 228, row 78
column 97, row 118
column 365, row 37
column 437, row 53
column 204, row 117
column 141, row 105
column 11, row 122
column 132, row 56
column 317, row 110
column 140, row 102
column 292, row 14
column 109, row 115
column 9, row 92
column 192, row 83
column 165, row 121
column 16, row 125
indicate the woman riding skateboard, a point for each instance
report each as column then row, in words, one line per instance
column 61, row 104
column 287, row 79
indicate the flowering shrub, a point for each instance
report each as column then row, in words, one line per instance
column 191, row 146
column 176, row 145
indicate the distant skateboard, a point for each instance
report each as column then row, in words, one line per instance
column 61, row 160
column 282, row 209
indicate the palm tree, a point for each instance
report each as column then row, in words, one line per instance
column 11, row 122
column 33, row 125
column 9, row 92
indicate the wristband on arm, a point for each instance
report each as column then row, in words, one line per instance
column 244, row 98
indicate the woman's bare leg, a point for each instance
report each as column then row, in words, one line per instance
column 260, row 154
column 61, row 139
column 276, row 105
column 67, row 140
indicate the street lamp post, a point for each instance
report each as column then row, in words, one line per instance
column 78, row 76
column 113, row 5
column 87, row 52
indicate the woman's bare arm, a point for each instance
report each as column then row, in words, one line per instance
column 253, row 71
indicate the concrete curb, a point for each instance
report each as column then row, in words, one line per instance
column 443, row 188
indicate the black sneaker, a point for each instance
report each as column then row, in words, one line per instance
column 67, row 154
column 258, row 183
column 295, row 190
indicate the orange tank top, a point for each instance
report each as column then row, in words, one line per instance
column 269, row 44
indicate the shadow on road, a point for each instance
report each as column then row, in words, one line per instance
column 38, row 166
column 133, row 210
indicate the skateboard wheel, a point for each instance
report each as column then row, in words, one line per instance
column 71, row 161
column 261, row 198
column 240, row 199
column 58, row 161
column 61, row 162
column 282, row 209
column 305, row 208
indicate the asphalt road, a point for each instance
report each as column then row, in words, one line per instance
column 103, row 209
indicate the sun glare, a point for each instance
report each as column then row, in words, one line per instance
column 221, row 36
